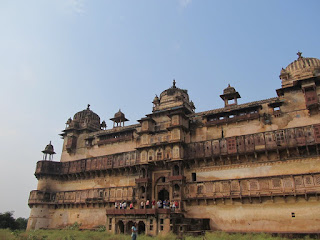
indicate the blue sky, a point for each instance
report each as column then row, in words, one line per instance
column 58, row 56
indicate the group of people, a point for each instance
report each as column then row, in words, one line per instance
column 122, row 205
column 149, row 204
column 168, row 204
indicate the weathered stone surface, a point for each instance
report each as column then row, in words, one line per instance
column 245, row 167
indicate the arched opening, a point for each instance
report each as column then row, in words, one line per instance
column 141, row 227
column 120, row 227
column 176, row 170
column 129, row 226
column 163, row 195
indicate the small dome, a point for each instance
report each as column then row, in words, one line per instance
column 119, row 117
column 87, row 117
column 229, row 90
column 173, row 97
column 119, row 114
column 49, row 149
column 156, row 99
column 301, row 68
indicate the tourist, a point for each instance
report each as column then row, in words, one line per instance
column 176, row 204
column 147, row 203
column 173, row 206
column 120, row 204
column 153, row 203
column 124, row 205
column 142, row 204
column 131, row 205
column 116, row 205
column 134, row 232
column 159, row 203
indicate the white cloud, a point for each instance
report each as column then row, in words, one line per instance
column 184, row 3
column 76, row 6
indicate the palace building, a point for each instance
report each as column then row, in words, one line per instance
column 252, row 167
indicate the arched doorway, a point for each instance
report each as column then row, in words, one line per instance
column 163, row 195
column 120, row 227
column 141, row 227
column 129, row 226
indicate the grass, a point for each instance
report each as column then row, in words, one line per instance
column 6, row 234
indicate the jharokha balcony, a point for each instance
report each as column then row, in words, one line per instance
column 150, row 211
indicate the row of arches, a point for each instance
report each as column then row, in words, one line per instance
column 160, row 154
column 121, row 227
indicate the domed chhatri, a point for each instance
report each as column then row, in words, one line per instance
column 48, row 152
column 171, row 98
column 119, row 119
column 85, row 119
column 300, row 69
column 230, row 96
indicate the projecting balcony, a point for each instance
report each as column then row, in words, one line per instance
column 250, row 116
column 113, row 140
column 152, row 211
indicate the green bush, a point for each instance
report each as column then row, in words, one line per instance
column 101, row 234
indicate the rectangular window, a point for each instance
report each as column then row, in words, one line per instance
column 194, row 177
column 161, row 220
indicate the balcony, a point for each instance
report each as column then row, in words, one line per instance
column 152, row 211
column 113, row 140
column 250, row 116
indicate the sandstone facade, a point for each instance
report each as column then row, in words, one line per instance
column 252, row 167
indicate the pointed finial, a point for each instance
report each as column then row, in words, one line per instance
column 299, row 54
column 228, row 84
column 50, row 142
column 174, row 83
column 88, row 107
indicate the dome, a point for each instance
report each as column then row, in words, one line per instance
column 155, row 100
column 49, row 149
column 119, row 117
column 119, row 114
column 229, row 90
column 173, row 97
column 87, row 118
column 302, row 68
column 174, row 91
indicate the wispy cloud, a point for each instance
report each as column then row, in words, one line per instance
column 76, row 6
column 184, row 3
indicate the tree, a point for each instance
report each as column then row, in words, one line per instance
column 22, row 223
column 8, row 221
